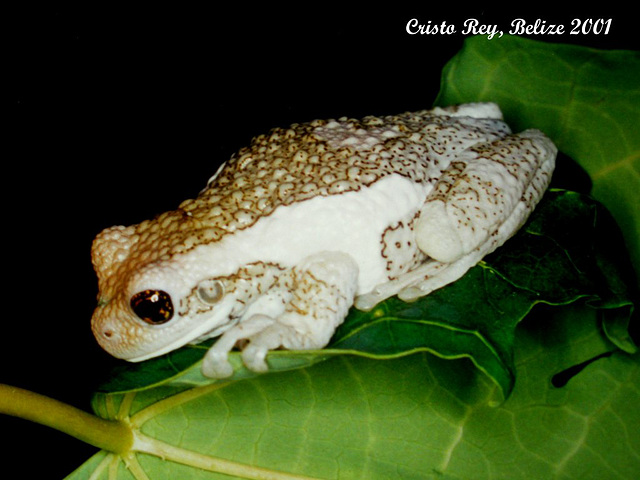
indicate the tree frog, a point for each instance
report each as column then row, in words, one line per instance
column 310, row 220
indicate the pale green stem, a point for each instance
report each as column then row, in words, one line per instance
column 111, row 435
column 194, row 459
column 119, row 437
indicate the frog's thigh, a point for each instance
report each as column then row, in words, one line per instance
column 324, row 287
column 486, row 187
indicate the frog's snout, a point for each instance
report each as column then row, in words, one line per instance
column 115, row 335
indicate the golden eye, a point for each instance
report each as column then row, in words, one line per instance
column 152, row 306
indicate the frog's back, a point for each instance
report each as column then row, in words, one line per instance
column 305, row 161
column 325, row 158
column 324, row 165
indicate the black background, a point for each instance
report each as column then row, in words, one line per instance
column 117, row 114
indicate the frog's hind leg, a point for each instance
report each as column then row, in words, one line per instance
column 418, row 282
column 489, row 191
column 479, row 202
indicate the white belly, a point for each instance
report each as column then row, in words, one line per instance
column 352, row 222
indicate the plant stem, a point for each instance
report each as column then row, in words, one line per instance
column 111, row 435
column 211, row 464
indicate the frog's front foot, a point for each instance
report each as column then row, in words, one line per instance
column 323, row 290
column 216, row 362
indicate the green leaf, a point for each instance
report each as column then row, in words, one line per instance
column 556, row 86
column 417, row 416
column 554, row 259
column 586, row 100
column 408, row 390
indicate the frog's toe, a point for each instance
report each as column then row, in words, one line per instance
column 254, row 354
column 216, row 365
column 216, row 361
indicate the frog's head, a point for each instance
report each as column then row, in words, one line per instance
column 149, row 302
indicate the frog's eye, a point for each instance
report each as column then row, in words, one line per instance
column 210, row 291
column 152, row 306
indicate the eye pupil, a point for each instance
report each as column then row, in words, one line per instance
column 152, row 306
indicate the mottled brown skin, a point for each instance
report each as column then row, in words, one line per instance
column 448, row 186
